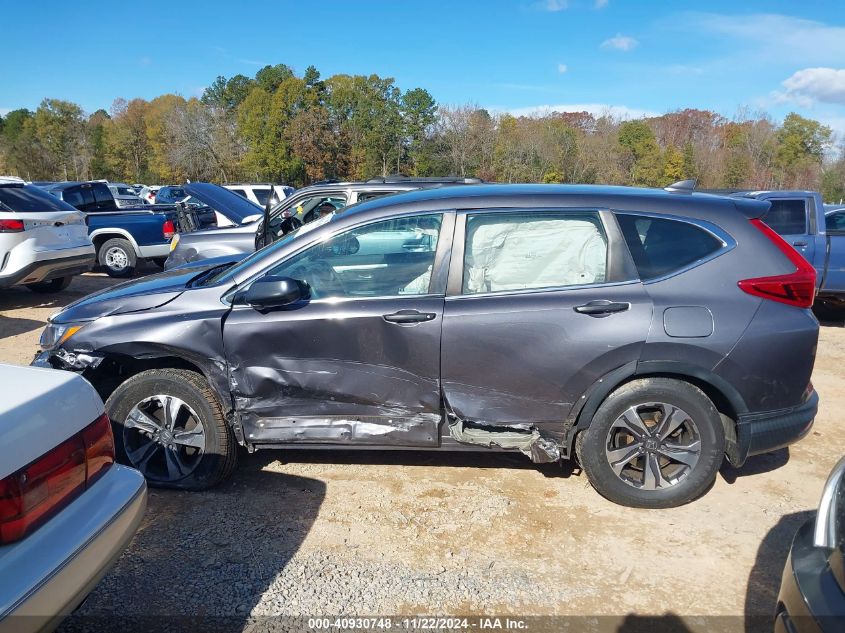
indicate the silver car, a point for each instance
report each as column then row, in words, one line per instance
column 67, row 511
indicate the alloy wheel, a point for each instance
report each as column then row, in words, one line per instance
column 164, row 438
column 116, row 258
column 653, row 445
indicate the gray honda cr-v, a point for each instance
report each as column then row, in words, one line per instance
column 648, row 333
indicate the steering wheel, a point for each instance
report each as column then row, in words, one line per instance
column 322, row 279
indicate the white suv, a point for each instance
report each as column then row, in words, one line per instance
column 258, row 193
column 43, row 241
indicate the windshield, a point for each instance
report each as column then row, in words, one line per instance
column 228, row 274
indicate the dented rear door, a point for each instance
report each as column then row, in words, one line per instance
column 540, row 305
column 358, row 361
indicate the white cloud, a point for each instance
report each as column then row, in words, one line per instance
column 600, row 4
column 596, row 109
column 776, row 37
column 552, row 5
column 5, row 111
column 815, row 84
column 562, row 68
column 620, row 43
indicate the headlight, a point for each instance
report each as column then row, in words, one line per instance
column 54, row 335
column 174, row 242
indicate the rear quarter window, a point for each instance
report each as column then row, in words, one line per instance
column 28, row 199
column 661, row 246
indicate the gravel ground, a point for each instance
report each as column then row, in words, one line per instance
column 306, row 533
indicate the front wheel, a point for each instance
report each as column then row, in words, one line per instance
column 169, row 425
column 653, row 443
column 117, row 256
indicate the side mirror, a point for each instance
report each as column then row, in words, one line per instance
column 274, row 292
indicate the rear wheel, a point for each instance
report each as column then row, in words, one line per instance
column 117, row 256
column 654, row 443
column 53, row 285
column 169, row 425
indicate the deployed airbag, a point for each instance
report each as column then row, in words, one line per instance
column 519, row 252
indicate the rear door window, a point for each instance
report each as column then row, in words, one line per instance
column 521, row 251
column 28, row 199
column 660, row 246
column 787, row 217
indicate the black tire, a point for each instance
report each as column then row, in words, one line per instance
column 195, row 468
column 670, row 483
column 828, row 310
column 53, row 285
column 117, row 256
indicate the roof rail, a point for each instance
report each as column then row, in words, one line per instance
column 327, row 181
column 682, row 186
column 399, row 178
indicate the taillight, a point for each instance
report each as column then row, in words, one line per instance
column 40, row 489
column 11, row 226
column 796, row 289
column 168, row 229
column 99, row 448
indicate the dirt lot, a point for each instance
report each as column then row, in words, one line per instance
column 311, row 533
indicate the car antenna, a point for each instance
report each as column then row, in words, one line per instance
column 682, row 186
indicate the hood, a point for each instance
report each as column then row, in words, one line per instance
column 236, row 208
column 132, row 296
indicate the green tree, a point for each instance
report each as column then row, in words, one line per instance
column 60, row 130
column 638, row 140
column 96, row 141
column 270, row 77
column 801, row 144
column 419, row 112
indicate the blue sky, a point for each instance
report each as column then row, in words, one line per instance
column 647, row 56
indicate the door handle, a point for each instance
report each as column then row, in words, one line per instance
column 601, row 308
column 409, row 316
column 800, row 244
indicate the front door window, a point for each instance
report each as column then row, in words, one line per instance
column 384, row 259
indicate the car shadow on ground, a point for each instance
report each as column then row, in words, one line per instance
column 12, row 327
column 764, row 580
column 755, row 465
column 436, row 458
column 201, row 561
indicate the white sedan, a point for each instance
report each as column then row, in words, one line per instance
column 67, row 511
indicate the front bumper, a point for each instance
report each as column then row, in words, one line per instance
column 758, row 433
column 47, row 269
column 51, row 571
column 810, row 600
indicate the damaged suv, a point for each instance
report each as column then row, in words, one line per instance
column 648, row 333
